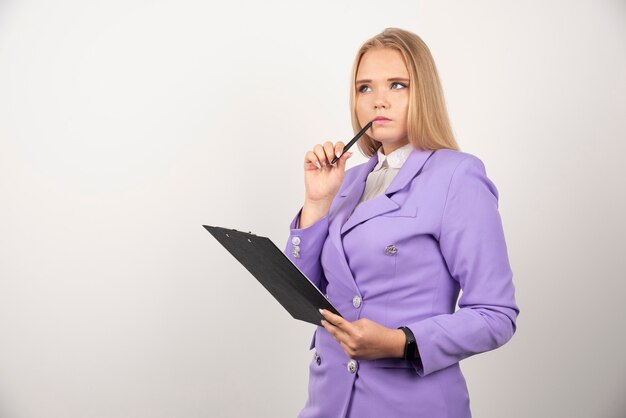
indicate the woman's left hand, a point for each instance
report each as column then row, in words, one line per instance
column 364, row 339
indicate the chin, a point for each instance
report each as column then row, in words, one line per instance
column 387, row 141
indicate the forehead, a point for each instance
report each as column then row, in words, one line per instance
column 382, row 63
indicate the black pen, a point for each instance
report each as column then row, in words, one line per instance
column 347, row 147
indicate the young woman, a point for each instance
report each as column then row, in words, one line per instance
column 391, row 242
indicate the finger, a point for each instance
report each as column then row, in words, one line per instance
column 342, row 161
column 311, row 161
column 332, row 330
column 339, row 146
column 335, row 320
column 329, row 150
column 321, row 155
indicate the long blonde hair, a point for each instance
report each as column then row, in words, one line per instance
column 428, row 124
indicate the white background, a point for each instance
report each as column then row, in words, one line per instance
column 126, row 125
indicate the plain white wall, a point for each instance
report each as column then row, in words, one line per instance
column 126, row 125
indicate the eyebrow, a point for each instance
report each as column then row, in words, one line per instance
column 389, row 79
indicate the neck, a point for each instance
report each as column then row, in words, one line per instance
column 389, row 148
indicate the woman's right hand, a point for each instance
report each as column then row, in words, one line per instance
column 321, row 180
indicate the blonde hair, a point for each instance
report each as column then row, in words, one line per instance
column 428, row 124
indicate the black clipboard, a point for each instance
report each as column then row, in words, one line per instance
column 271, row 267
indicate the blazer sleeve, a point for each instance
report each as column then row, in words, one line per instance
column 472, row 243
column 304, row 247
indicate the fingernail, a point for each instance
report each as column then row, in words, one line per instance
column 321, row 311
column 338, row 154
column 317, row 164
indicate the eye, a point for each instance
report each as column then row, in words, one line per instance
column 398, row 83
column 360, row 89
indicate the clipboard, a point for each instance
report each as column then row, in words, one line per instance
column 271, row 267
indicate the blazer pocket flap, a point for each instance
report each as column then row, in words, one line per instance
column 403, row 211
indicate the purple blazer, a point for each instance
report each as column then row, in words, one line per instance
column 401, row 259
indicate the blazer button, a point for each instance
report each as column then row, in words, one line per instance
column 356, row 301
column 295, row 240
column 296, row 252
column 352, row 366
column 391, row 250
column 318, row 359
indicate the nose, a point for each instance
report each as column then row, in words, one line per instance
column 381, row 102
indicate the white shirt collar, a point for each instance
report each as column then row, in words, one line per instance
column 396, row 158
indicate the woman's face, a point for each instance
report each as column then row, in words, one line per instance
column 382, row 89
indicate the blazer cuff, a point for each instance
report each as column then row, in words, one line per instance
column 426, row 363
column 316, row 230
column 304, row 246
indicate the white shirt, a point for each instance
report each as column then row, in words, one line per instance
column 384, row 171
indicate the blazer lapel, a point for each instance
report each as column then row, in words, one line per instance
column 346, row 200
column 381, row 204
column 351, row 194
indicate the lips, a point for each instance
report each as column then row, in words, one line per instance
column 381, row 120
